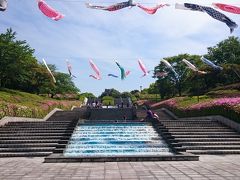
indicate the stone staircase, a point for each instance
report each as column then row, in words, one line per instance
column 200, row 136
column 161, row 129
column 31, row 139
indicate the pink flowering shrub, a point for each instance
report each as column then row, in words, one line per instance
column 7, row 109
column 228, row 102
column 34, row 111
column 228, row 107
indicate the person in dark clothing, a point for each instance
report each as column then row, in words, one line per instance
column 125, row 118
column 151, row 116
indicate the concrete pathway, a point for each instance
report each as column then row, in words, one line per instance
column 209, row 167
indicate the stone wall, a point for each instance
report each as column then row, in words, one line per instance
column 112, row 114
column 81, row 113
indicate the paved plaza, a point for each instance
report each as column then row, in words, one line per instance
column 209, row 167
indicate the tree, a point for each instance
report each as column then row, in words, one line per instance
column 41, row 81
column 63, row 85
column 226, row 51
column 126, row 95
column 16, row 61
column 227, row 54
column 108, row 100
column 20, row 70
column 88, row 95
column 171, row 83
column 153, row 89
column 111, row 92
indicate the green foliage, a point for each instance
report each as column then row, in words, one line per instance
column 136, row 94
column 150, row 97
column 134, row 91
column 20, row 70
column 224, row 111
column 108, row 100
column 88, row 95
column 133, row 98
column 63, row 85
column 224, row 93
column 16, row 61
column 126, row 95
column 225, row 54
column 171, row 84
column 191, row 100
column 82, row 96
column 111, row 92
column 190, row 107
column 130, row 95
column 153, row 89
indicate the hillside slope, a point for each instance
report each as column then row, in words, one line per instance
column 228, row 106
column 22, row 104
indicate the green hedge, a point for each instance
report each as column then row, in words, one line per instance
column 223, row 111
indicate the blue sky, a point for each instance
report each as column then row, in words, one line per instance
column 125, row 36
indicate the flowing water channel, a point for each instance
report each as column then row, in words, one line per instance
column 116, row 139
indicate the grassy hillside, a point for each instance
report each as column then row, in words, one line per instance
column 22, row 104
column 218, row 102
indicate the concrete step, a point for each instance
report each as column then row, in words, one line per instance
column 37, row 131
column 24, row 141
column 215, row 147
column 201, row 130
column 29, row 145
column 38, row 124
column 25, row 154
column 187, row 121
column 211, row 143
column 177, row 127
column 203, row 133
column 192, row 125
column 38, row 127
column 33, row 137
column 214, row 151
column 208, row 136
column 206, row 139
column 35, row 149
column 58, row 150
column 34, row 134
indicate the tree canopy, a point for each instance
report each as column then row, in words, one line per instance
column 226, row 54
column 111, row 92
column 20, row 70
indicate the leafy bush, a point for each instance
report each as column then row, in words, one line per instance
column 108, row 100
column 224, row 93
column 228, row 107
